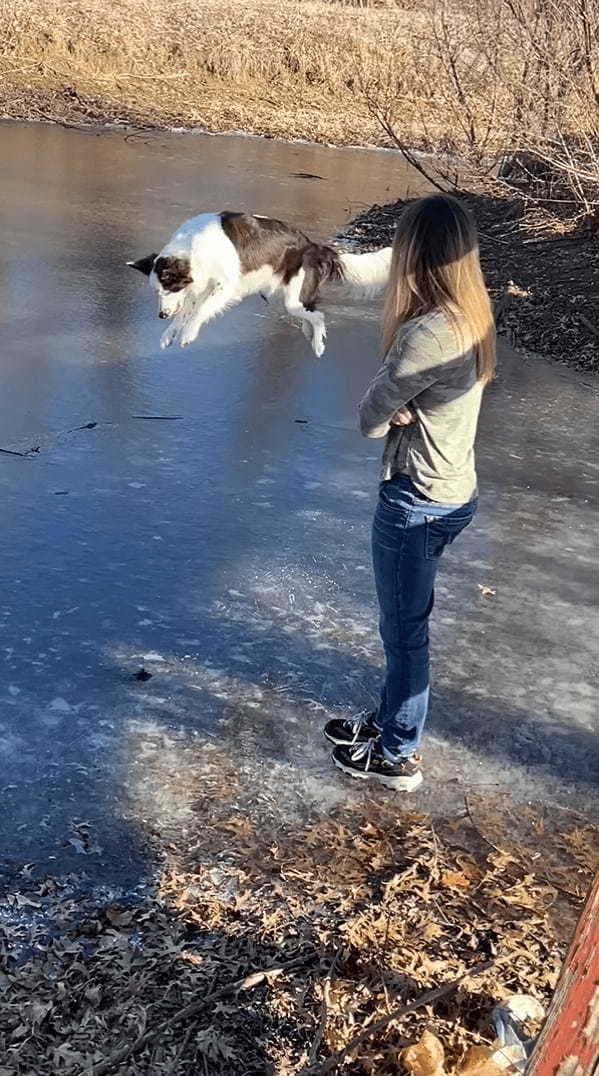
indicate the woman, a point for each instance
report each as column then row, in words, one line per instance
column 439, row 347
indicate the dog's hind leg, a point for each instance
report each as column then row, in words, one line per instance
column 319, row 337
column 308, row 330
column 312, row 321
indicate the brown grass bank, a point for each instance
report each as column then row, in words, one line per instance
column 287, row 70
column 480, row 79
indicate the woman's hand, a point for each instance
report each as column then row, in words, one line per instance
column 404, row 417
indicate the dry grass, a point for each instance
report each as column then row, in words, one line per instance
column 476, row 77
column 288, row 70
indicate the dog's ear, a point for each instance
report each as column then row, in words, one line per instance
column 144, row 265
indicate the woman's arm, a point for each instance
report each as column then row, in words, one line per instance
column 412, row 366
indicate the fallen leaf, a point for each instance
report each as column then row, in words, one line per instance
column 432, row 931
column 478, row 1061
column 93, row 994
column 119, row 917
column 25, row 902
column 425, row 1057
column 455, row 880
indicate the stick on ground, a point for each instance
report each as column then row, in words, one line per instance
column 125, row 1052
column 428, row 998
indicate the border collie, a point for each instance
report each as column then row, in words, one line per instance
column 215, row 260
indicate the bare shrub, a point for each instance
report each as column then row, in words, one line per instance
column 556, row 99
column 499, row 88
column 506, row 90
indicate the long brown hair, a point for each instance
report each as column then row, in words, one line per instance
column 435, row 265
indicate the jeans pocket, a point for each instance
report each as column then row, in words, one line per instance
column 395, row 497
column 389, row 525
column 442, row 531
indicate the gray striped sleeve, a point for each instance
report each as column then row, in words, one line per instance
column 412, row 365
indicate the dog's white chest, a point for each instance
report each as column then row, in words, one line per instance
column 262, row 279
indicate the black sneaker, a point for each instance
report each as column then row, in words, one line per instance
column 366, row 760
column 352, row 730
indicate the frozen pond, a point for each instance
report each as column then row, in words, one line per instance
column 225, row 547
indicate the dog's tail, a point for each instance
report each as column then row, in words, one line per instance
column 352, row 276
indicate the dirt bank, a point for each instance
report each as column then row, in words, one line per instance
column 218, row 108
column 545, row 287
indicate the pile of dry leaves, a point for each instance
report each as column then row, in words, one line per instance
column 309, row 947
column 545, row 283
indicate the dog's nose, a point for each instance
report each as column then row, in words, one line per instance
column 162, row 314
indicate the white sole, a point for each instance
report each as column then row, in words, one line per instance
column 398, row 784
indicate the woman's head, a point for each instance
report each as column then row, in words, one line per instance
column 435, row 266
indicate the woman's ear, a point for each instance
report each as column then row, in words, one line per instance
column 145, row 265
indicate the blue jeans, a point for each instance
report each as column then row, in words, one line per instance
column 408, row 537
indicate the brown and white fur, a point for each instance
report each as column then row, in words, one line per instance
column 213, row 261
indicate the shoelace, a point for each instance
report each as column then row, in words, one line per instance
column 357, row 724
column 363, row 750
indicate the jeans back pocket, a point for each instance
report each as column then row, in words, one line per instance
column 441, row 531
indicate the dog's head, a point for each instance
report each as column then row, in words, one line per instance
column 170, row 276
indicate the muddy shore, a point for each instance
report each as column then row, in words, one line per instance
column 545, row 288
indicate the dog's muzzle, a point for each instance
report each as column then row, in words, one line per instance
column 163, row 314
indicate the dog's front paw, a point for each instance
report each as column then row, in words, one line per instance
column 167, row 337
column 187, row 337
